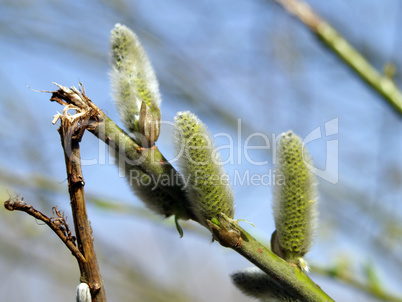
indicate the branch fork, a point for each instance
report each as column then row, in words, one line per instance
column 57, row 223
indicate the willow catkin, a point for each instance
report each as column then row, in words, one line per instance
column 135, row 86
column 255, row 283
column 83, row 294
column 295, row 201
column 208, row 186
column 136, row 93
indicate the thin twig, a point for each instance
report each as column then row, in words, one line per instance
column 382, row 84
column 58, row 224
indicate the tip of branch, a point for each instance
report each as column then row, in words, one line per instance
column 14, row 202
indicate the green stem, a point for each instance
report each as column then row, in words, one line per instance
column 382, row 84
column 297, row 284
column 289, row 276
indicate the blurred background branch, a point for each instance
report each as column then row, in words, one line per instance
column 382, row 84
column 370, row 285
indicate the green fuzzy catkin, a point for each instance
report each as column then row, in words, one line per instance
column 135, row 86
column 295, row 201
column 143, row 186
column 208, row 188
column 153, row 197
column 149, row 191
column 253, row 282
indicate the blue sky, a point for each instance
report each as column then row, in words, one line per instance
column 224, row 61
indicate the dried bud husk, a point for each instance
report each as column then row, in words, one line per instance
column 149, row 124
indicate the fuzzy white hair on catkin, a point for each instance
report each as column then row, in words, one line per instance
column 131, row 73
column 144, row 187
column 255, row 283
column 83, row 293
column 126, row 101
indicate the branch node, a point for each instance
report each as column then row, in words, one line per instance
column 57, row 222
column 227, row 233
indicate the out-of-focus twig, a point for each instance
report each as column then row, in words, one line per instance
column 350, row 279
column 382, row 84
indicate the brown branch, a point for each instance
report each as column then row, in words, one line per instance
column 71, row 130
column 58, row 224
